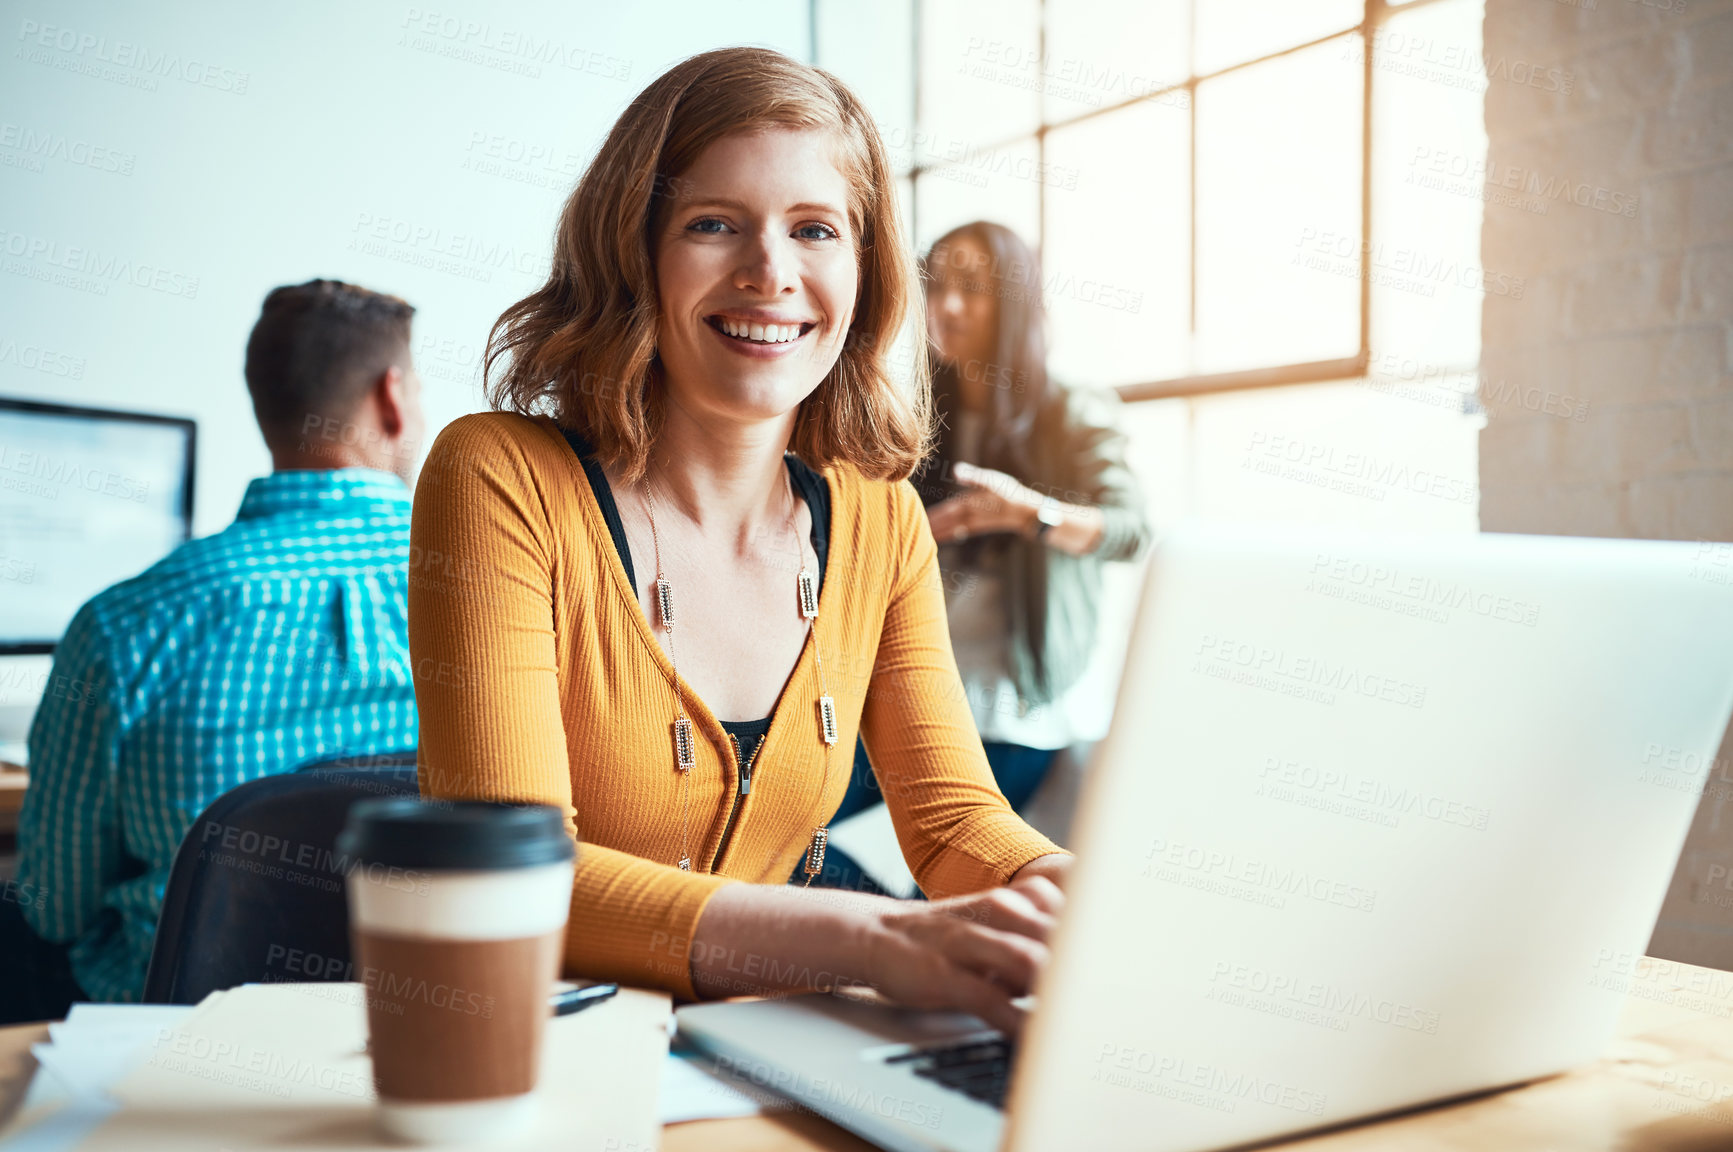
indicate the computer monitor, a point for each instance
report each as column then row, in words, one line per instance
column 88, row 497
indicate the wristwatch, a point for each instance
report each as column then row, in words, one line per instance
column 1049, row 515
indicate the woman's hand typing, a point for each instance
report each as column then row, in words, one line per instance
column 975, row 953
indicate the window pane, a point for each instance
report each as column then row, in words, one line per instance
column 903, row 356
column 1000, row 186
column 1105, row 52
column 1234, row 31
column 906, row 207
column 871, row 50
column 1278, row 195
column 980, row 74
column 1118, row 247
column 1334, row 453
column 1159, row 435
column 1430, row 185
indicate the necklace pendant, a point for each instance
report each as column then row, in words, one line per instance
column 827, row 719
column 808, row 594
column 815, row 853
column 665, row 604
column 684, row 759
column 685, row 863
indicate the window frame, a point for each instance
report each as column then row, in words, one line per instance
column 1374, row 13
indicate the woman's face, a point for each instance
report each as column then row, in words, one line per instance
column 756, row 275
column 962, row 310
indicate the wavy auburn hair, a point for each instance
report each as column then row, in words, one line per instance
column 582, row 347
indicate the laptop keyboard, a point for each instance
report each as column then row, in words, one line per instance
column 977, row 1068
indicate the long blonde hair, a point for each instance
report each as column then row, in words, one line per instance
column 581, row 348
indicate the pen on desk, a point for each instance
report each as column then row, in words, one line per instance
column 577, row 999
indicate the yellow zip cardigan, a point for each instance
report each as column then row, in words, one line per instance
column 539, row 681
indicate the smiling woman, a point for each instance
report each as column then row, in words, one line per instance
column 698, row 423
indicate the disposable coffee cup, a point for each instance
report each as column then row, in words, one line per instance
column 457, row 913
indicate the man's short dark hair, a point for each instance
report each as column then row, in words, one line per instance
column 317, row 348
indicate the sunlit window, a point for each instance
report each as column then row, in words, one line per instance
column 1258, row 219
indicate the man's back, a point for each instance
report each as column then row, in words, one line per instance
column 277, row 642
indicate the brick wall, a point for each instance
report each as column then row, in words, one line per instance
column 1628, row 310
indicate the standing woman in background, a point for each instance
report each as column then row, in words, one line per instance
column 1028, row 494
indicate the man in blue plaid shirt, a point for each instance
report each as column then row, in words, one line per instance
column 277, row 642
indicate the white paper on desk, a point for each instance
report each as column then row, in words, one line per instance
column 289, row 1043
column 691, row 1091
column 97, row 1044
column 87, row 1054
column 598, row 1078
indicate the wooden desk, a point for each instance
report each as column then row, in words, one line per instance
column 12, row 786
column 1665, row 1085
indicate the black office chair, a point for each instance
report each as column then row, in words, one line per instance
column 256, row 893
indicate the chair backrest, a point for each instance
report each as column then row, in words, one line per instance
column 257, row 892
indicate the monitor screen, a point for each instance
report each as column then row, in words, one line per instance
column 87, row 498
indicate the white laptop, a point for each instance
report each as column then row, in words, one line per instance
column 1377, row 820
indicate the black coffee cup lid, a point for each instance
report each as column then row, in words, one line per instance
column 468, row 835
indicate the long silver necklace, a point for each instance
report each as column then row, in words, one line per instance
column 685, row 756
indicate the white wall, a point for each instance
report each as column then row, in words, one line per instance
column 161, row 169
